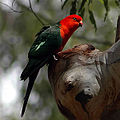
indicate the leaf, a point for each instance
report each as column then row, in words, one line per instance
column 101, row 1
column 90, row 1
column 117, row 2
column 82, row 5
column 73, row 9
column 64, row 3
column 92, row 19
column 106, row 7
column 82, row 12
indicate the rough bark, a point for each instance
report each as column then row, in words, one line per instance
column 86, row 82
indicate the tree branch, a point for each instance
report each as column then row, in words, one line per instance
column 118, row 30
column 13, row 3
column 11, row 8
column 35, row 14
column 30, row 5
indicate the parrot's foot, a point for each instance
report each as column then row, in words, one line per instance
column 55, row 58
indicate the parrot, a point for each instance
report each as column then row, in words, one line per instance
column 49, row 41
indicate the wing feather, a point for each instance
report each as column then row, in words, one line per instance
column 46, row 42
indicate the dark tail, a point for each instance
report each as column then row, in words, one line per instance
column 32, row 78
column 26, row 72
column 31, row 71
column 33, row 65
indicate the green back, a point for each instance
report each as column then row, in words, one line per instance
column 47, row 42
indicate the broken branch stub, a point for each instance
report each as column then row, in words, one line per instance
column 86, row 82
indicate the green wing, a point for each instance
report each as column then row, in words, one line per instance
column 46, row 42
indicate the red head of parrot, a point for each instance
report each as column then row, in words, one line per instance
column 68, row 26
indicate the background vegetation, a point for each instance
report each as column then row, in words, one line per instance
column 18, row 27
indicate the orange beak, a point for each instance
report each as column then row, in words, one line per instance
column 80, row 23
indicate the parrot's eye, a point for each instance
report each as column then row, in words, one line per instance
column 75, row 19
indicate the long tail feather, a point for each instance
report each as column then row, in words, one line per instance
column 31, row 71
column 32, row 78
column 32, row 65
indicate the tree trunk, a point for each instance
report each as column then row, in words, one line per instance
column 86, row 82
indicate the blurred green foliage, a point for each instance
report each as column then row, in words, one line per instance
column 86, row 5
column 17, row 33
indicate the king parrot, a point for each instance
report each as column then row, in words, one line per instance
column 49, row 41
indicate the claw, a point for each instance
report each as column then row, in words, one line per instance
column 55, row 58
